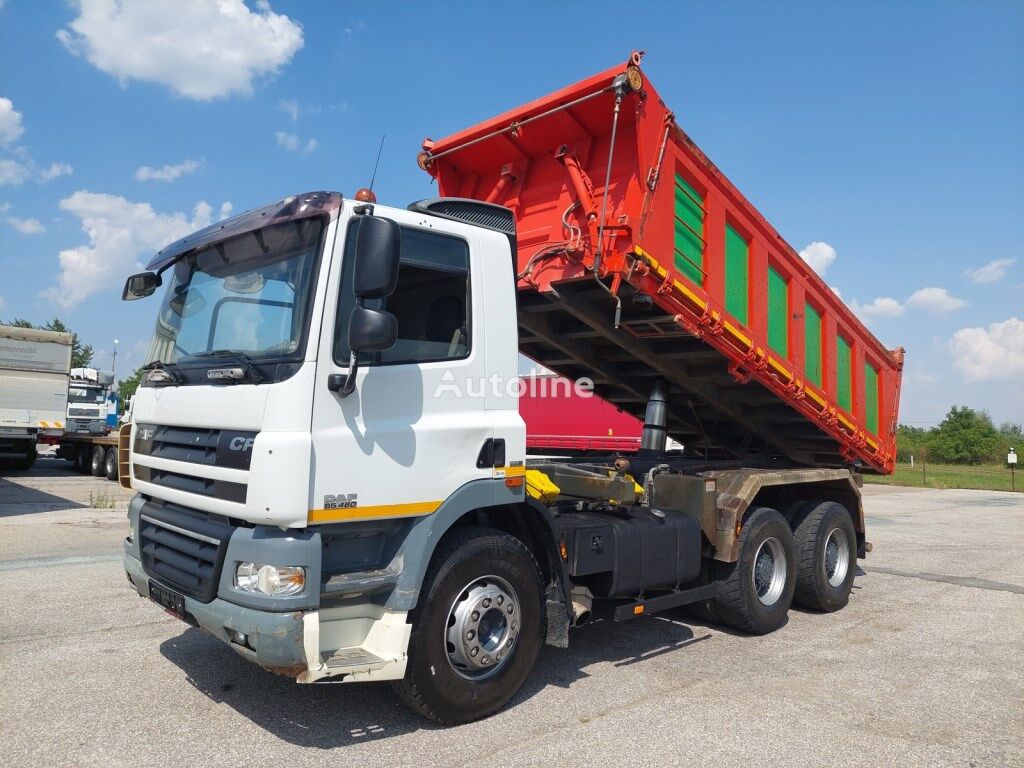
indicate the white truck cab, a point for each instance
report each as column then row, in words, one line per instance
column 278, row 512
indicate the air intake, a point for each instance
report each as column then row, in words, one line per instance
column 488, row 215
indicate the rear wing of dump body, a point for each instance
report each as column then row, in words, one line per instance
column 638, row 260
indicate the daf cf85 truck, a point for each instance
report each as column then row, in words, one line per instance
column 327, row 449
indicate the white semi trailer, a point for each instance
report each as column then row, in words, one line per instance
column 34, row 367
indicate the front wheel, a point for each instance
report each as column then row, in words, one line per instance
column 754, row 593
column 477, row 630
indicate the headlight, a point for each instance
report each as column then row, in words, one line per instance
column 274, row 580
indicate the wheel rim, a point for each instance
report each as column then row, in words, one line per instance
column 482, row 628
column 836, row 557
column 97, row 462
column 769, row 572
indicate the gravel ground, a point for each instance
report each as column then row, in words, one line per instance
column 924, row 667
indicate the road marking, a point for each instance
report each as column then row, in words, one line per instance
column 960, row 581
column 49, row 562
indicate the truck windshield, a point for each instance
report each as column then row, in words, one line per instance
column 86, row 395
column 248, row 295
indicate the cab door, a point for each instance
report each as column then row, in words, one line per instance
column 411, row 432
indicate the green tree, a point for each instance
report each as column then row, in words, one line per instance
column 911, row 441
column 965, row 436
column 81, row 354
column 126, row 387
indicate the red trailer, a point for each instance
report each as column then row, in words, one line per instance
column 561, row 420
column 639, row 260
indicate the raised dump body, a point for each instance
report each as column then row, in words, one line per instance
column 638, row 260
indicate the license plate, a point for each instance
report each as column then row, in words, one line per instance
column 169, row 600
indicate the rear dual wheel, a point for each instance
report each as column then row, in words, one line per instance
column 97, row 459
column 826, row 557
column 754, row 593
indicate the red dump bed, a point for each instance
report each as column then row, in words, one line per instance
column 669, row 272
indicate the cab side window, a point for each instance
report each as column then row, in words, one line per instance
column 431, row 302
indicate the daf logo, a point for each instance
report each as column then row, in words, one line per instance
column 241, row 443
column 146, row 433
column 340, row 500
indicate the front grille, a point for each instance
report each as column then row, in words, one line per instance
column 183, row 548
column 212, row 447
column 73, row 411
column 202, row 486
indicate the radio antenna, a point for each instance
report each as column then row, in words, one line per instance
column 379, row 150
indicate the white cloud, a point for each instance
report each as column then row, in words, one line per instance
column 26, row 226
column 997, row 352
column 199, row 49
column 167, row 172
column 882, row 307
column 992, row 272
column 13, row 173
column 56, row 170
column 292, row 143
column 10, row 123
column 819, row 256
column 290, row 107
column 119, row 231
column 5, row 207
column 938, row 301
column 226, row 209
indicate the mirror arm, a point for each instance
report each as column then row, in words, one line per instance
column 345, row 385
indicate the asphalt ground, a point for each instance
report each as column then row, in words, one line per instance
column 924, row 667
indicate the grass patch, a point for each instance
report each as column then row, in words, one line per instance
column 986, row 477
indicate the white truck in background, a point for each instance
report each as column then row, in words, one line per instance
column 89, row 402
column 34, row 368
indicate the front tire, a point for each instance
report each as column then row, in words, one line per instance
column 754, row 593
column 826, row 556
column 477, row 629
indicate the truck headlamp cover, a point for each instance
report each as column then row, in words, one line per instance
column 273, row 580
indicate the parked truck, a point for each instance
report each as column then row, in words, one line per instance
column 33, row 391
column 328, row 453
column 89, row 401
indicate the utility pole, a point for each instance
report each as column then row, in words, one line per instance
column 113, row 365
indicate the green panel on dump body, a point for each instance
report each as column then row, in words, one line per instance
column 844, row 373
column 812, row 344
column 737, row 273
column 871, row 398
column 689, row 246
column 778, row 313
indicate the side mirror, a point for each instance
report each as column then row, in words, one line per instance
column 378, row 250
column 140, row 286
column 371, row 330
column 375, row 276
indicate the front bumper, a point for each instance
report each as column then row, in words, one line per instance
column 355, row 642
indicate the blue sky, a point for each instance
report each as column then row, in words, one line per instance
column 886, row 139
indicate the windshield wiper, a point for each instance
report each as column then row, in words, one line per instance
column 167, row 368
column 248, row 366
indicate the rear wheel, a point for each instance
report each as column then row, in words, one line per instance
column 477, row 630
column 81, row 459
column 110, row 463
column 826, row 556
column 754, row 593
column 96, row 459
column 26, row 461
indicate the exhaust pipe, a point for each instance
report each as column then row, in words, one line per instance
column 582, row 603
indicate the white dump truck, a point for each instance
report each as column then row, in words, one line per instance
column 330, row 462
column 34, row 367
